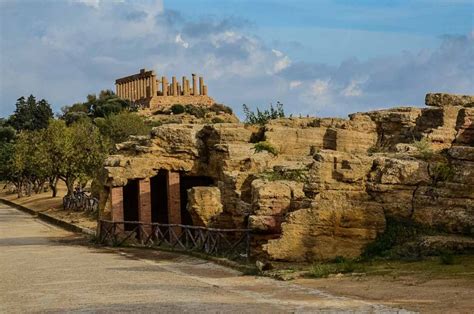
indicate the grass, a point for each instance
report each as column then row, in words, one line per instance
column 265, row 146
column 338, row 266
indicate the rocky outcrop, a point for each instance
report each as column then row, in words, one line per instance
column 334, row 183
column 204, row 205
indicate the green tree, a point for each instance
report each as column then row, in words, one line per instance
column 105, row 104
column 76, row 153
column 120, row 126
column 31, row 114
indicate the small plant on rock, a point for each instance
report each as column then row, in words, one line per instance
column 442, row 171
column 424, row 148
column 177, row 109
column 265, row 146
column 262, row 117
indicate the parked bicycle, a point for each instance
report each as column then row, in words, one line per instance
column 80, row 200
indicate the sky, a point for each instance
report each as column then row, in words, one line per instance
column 317, row 57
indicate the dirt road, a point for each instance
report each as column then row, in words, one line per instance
column 46, row 269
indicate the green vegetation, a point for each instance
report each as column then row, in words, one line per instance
column 118, row 128
column 424, row 148
column 340, row 265
column 265, row 146
column 263, row 117
column 37, row 150
column 441, row 171
column 103, row 105
column 177, row 109
column 298, row 175
column 397, row 233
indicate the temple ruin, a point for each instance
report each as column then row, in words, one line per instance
column 149, row 91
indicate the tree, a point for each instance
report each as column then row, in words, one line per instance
column 76, row 153
column 120, row 126
column 30, row 114
column 105, row 104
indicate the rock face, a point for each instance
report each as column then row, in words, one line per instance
column 333, row 184
column 204, row 205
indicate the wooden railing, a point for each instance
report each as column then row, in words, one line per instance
column 229, row 243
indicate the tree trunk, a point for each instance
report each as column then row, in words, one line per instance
column 70, row 185
column 53, row 184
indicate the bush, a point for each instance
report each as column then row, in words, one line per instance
column 217, row 120
column 298, row 175
column 442, row 171
column 446, row 258
column 177, row 109
column 262, row 117
column 197, row 111
column 119, row 127
column 265, row 146
column 397, row 232
column 221, row 108
column 424, row 148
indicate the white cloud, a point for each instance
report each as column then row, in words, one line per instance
column 179, row 40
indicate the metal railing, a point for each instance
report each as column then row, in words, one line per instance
column 229, row 243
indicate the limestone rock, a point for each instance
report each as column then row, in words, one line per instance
column 204, row 205
column 444, row 100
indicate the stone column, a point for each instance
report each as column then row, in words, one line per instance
column 194, row 84
column 185, row 92
column 201, row 85
column 204, row 91
column 174, row 86
column 174, row 200
column 164, row 86
column 144, row 206
column 188, row 92
column 116, row 202
column 178, row 88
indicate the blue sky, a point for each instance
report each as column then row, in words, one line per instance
column 326, row 57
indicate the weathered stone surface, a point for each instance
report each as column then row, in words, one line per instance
column 445, row 100
column 351, row 174
column 204, row 205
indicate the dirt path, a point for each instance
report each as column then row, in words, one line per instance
column 45, row 269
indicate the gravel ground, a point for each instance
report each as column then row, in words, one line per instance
column 46, row 269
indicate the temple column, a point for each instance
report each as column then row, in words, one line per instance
column 164, row 86
column 174, row 86
column 204, row 91
column 201, row 85
column 144, row 206
column 184, row 85
column 116, row 205
column 194, row 84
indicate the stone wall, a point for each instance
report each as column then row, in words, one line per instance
column 334, row 182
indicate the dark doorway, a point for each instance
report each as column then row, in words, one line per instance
column 130, row 203
column 187, row 182
column 159, row 198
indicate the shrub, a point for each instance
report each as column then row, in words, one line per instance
column 265, row 146
column 397, row 232
column 424, row 148
column 340, row 266
column 177, row 109
column 442, row 171
column 262, row 117
column 298, row 175
column 197, row 111
column 217, row 120
column 447, row 258
column 221, row 108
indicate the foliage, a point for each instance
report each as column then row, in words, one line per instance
column 197, row 111
column 120, row 126
column 441, row 171
column 103, row 105
column 265, row 146
column 177, row 109
column 217, row 108
column 447, row 258
column 297, row 175
column 263, row 117
column 397, row 232
column 30, row 114
column 217, row 120
column 339, row 266
column 424, row 148
column 7, row 134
